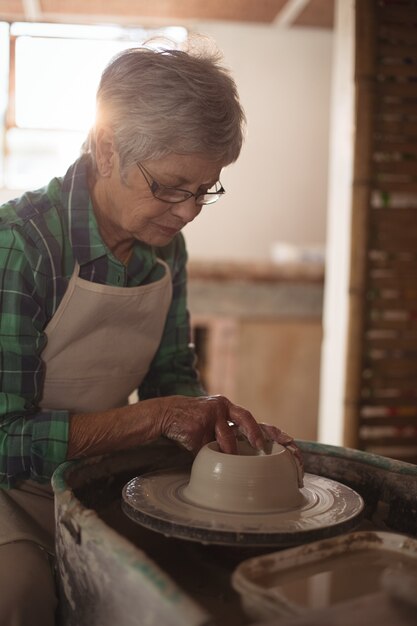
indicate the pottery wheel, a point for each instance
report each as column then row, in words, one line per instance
column 156, row 500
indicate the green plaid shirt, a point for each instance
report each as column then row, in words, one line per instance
column 42, row 234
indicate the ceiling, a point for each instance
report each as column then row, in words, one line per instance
column 287, row 13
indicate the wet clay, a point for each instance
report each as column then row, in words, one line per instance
column 335, row 579
column 248, row 482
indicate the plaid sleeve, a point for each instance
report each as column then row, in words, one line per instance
column 173, row 369
column 32, row 443
column 31, row 446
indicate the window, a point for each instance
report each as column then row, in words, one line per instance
column 50, row 73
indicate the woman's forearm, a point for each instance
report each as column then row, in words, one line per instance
column 95, row 433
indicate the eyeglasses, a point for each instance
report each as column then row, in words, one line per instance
column 174, row 194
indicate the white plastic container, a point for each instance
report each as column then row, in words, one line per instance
column 325, row 573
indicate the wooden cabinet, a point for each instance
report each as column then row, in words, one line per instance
column 270, row 367
column 258, row 342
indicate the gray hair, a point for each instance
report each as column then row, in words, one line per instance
column 159, row 102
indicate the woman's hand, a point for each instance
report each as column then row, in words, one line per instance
column 193, row 422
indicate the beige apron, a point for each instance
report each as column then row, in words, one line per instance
column 101, row 342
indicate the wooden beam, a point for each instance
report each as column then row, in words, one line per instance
column 32, row 10
column 236, row 10
column 290, row 12
column 316, row 14
column 365, row 63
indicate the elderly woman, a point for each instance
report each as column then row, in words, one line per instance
column 93, row 291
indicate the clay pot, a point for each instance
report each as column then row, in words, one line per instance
column 247, row 482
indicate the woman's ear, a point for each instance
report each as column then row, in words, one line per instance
column 105, row 152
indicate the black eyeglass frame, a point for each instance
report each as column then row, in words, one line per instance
column 154, row 186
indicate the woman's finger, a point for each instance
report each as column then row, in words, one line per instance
column 225, row 436
column 276, row 434
column 248, row 426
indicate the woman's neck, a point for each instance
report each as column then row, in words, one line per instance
column 119, row 243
